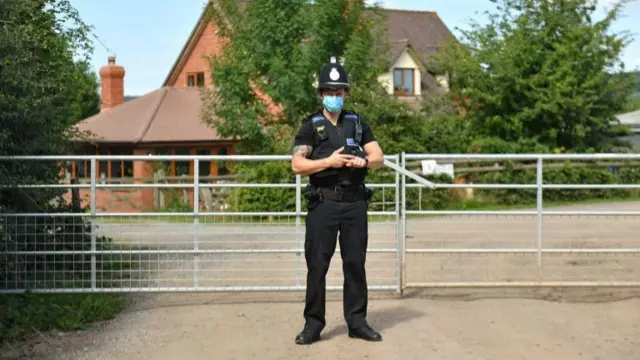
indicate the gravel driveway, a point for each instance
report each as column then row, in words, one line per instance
column 434, row 324
column 435, row 233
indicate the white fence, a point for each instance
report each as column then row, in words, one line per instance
column 105, row 250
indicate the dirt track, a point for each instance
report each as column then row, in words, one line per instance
column 198, row 327
column 497, row 324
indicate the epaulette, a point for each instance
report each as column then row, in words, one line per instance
column 352, row 116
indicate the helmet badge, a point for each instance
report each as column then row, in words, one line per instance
column 334, row 74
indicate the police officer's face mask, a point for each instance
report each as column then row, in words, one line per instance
column 333, row 103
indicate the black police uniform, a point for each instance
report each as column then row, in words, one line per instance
column 337, row 203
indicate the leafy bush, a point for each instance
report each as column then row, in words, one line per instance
column 25, row 313
column 23, row 236
column 43, row 92
column 263, row 199
column 565, row 175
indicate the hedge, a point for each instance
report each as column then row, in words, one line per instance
column 277, row 200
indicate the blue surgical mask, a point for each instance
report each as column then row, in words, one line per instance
column 333, row 103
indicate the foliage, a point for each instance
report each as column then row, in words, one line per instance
column 260, row 54
column 27, row 312
column 542, row 70
column 446, row 129
column 264, row 75
column 450, row 199
column 540, row 77
column 263, row 200
column 54, row 233
column 274, row 52
column 44, row 90
column 633, row 103
column 82, row 90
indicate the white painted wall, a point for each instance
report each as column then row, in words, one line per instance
column 405, row 61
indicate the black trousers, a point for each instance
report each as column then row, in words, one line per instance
column 323, row 223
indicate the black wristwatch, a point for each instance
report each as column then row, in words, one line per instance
column 366, row 162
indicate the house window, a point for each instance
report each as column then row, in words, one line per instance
column 111, row 171
column 103, row 167
column 121, row 169
column 174, row 168
column 182, row 167
column 404, row 82
column 107, row 171
column 81, row 169
column 195, row 79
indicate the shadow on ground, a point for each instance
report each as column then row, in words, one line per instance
column 380, row 320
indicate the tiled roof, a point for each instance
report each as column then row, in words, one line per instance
column 169, row 114
column 424, row 31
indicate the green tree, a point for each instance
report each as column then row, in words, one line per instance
column 542, row 72
column 43, row 92
column 278, row 47
column 83, row 92
column 633, row 103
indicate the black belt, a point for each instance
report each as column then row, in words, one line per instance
column 340, row 193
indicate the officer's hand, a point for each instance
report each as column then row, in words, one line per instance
column 338, row 159
column 357, row 162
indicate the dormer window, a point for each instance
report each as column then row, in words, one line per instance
column 404, row 82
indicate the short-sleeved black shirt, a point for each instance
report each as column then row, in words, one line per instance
column 342, row 134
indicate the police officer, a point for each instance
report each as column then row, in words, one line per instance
column 335, row 147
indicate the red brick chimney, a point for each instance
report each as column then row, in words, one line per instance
column 112, row 84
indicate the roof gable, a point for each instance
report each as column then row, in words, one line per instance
column 190, row 44
column 407, row 49
column 187, row 50
column 424, row 31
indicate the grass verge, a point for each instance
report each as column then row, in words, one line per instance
column 22, row 315
column 29, row 313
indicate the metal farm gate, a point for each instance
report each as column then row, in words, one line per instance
column 151, row 232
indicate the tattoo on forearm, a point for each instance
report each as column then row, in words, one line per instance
column 302, row 150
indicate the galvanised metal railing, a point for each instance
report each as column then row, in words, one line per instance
column 195, row 250
column 592, row 256
column 175, row 251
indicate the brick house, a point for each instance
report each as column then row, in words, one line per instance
column 167, row 121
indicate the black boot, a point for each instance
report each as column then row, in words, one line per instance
column 365, row 332
column 307, row 336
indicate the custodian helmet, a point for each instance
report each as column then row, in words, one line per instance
column 333, row 76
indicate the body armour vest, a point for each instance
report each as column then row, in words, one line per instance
column 328, row 138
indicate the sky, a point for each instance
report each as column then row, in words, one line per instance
column 146, row 36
